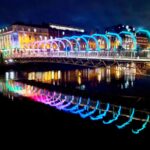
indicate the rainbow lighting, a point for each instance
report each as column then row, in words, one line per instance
column 125, row 41
column 82, row 42
column 85, row 108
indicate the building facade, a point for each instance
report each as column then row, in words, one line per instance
column 142, row 39
column 19, row 36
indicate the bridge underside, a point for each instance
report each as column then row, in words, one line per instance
column 76, row 61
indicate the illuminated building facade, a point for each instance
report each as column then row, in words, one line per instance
column 126, row 39
column 143, row 41
column 18, row 36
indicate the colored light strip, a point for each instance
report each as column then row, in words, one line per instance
column 77, row 111
column 67, row 104
column 137, row 131
column 115, row 117
column 101, row 115
column 128, row 122
column 89, row 113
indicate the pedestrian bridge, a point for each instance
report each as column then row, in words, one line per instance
column 78, row 58
column 96, row 47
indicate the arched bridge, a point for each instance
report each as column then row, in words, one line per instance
column 83, row 49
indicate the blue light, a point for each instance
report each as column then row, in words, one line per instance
column 85, row 115
column 115, row 117
column 74, row 107
column 77, row 111
column 67, row 104
column 95, row 40
column 143, row 126
column 128, row 122
column 101, row 116
column 84, row 39
column 106, row 39
column 77, row 42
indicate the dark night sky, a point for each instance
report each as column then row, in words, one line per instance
column 89, row 14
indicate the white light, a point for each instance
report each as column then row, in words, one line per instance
column 63, row 33
column 12, row 75
column 40, row 37
column 45, row 38
column 10, row 60
column 66, row 28
column 127, row 27
column 7, row 76
column 35, row 30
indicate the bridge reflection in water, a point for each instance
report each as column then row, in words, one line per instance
column 85, row 108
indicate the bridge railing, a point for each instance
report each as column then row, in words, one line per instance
column 77, row 54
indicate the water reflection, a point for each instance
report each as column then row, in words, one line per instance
column 10, row 75
column 85, row 108
column 125, row 75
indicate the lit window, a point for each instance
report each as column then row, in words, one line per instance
column 29, row 29
column 41, row 37
column 35, row 30
column 45, row 38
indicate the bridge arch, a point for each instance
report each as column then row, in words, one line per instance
column 116, row 35
column 105, row 38
column 132, row 37
column 54, row 41
column 84, row 39
column 94, row 39
column 77, row 42
column 69, row 43
column 40, row 43
column 35, row 43
column 144, row 32
column 45, row 42
column 60, row 41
